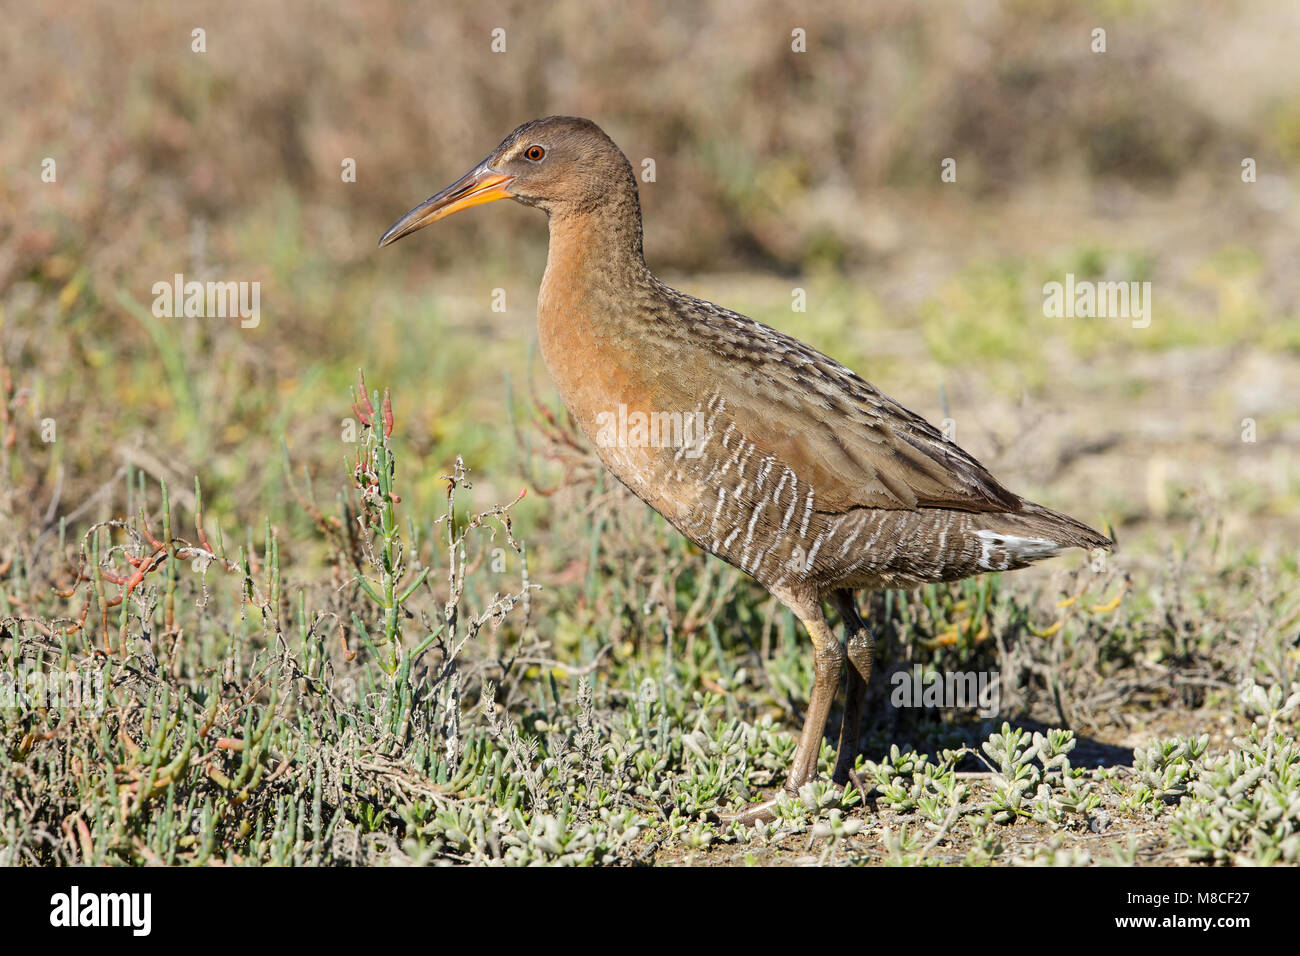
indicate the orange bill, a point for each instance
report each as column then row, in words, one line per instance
column 481, row 184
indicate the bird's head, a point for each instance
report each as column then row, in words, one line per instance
column 560, row 164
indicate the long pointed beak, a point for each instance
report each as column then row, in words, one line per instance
column 481, row 184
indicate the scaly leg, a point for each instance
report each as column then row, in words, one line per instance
column 829, row 663
column 860, row 648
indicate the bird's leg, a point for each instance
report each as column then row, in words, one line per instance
column 859, row 648
column 846, row 753
column 829, row 662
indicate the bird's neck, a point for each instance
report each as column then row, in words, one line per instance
column 594, row 271
column 594, row 263
column 596, row 298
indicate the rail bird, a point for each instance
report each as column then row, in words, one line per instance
column 793, row 469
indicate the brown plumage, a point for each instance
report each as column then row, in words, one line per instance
column 757, row 447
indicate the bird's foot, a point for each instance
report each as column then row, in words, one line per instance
column 851, row 776
column 764, row 812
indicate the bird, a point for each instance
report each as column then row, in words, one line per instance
column 767, row 453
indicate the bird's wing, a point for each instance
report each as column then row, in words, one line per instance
column 856, row 446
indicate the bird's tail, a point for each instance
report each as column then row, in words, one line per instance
column 1017, row 539
column 1070, row 532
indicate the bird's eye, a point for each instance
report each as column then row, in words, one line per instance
column 535, row 153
